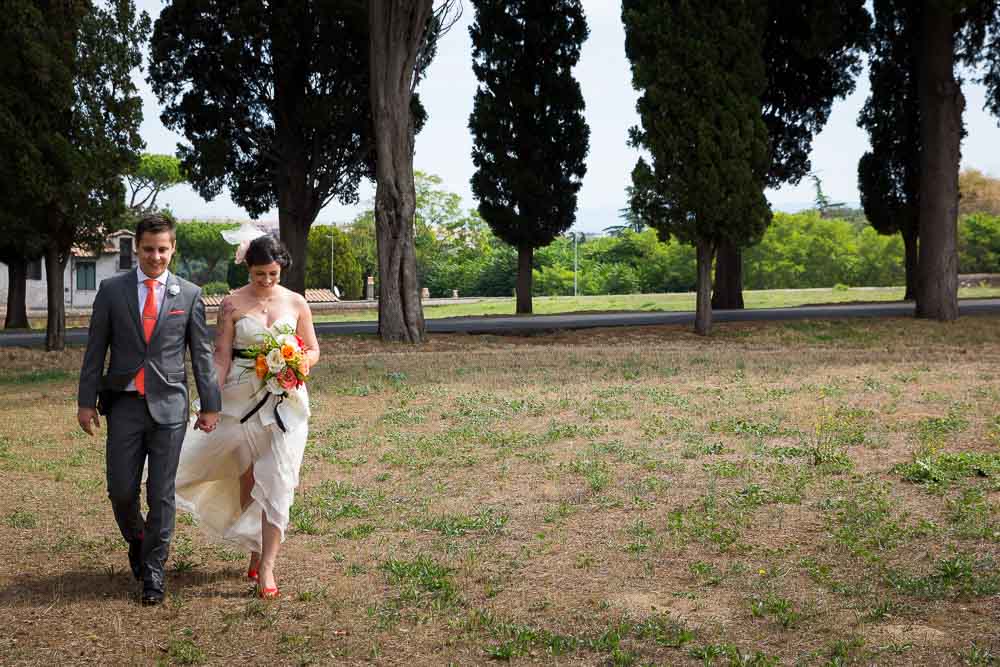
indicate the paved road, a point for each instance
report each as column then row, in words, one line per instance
column 511, row 324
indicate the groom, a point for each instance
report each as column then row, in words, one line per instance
column 147, row 318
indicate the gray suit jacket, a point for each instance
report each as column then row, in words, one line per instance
column 115, row 324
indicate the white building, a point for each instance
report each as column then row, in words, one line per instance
column 84, row 273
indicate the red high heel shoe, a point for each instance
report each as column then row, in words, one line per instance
column 268, row 593
column 252, row 574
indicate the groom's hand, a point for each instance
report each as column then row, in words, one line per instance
column 88, row 419
column 206, row 421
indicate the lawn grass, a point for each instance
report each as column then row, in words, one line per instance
column 551, row 305
column 806, row 493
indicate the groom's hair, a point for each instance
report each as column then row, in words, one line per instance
column 266, row 249
column 155, row 223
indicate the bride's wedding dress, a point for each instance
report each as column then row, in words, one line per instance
column 208, row 475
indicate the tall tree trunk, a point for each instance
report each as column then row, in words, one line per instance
column 295, row 217
column 396, row 32
column 703, row 310
column 727, row 293
column 55, row 327
column 295, row 235
column 941, row 106
column 525, row 254
column 17, row 292
column 911, row 264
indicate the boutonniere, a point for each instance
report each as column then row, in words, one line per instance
column 174, row 290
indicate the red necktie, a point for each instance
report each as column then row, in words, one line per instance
column 149, row 313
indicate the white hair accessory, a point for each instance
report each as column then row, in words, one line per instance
column 242, row 238
column 241, row 251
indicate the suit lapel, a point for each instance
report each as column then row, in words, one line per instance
column 165, row 307
column 132, row 299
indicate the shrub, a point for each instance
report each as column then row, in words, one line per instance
column 215, row 288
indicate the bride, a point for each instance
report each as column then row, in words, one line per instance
column 239, row 480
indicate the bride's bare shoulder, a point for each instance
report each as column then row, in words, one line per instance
column 234, row 305
column 292, row 298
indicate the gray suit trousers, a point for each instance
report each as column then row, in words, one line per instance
column 132, row 437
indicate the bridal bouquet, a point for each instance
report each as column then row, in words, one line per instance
column 280, row 360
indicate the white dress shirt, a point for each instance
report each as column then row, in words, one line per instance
column 161, row 292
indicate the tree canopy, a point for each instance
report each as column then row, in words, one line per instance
column 28, row 55
column 980, row 193
column 273, row 101
column 530, row 138
column 202, row 252
column 812, row 53
column 81, row 130
column 154, row 174
column 450, row 243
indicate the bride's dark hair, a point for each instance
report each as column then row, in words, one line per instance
column 267, row 249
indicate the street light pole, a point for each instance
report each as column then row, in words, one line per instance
column 574, row 263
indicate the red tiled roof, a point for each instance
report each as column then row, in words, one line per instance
column 212, row 299
column 320, row 296
column 312, row 296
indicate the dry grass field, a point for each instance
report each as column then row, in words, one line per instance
column 809, row 493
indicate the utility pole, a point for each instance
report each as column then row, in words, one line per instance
column 331, row 262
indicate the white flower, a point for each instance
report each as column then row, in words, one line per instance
column 275, row 362
column 174, row 290
column 287, row 339
column 274, row 387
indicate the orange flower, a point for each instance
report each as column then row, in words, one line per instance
column 287, row 351
column 261, row 366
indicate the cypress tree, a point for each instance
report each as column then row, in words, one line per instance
column 889, row 173
column 812, row 55
column 701, row 75
column 529, row 135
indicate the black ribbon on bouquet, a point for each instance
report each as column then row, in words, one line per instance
column 256, row 408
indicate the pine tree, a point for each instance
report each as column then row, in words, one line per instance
column 274, row 102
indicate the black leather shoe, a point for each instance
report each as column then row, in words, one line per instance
column 135, row 558
column 151, row 598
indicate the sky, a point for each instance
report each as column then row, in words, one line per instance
column 444, row 146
